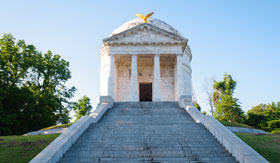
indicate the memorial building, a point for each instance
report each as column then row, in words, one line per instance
column 145, row 61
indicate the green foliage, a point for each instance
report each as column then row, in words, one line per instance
column 229, row 110
column 204, row 113
column 273, row 125
column 276, row 131
column 32, row 88
column 256, row 120
column 227, row 107
column 223, row 88
column 197, row 105
column 264, row 116
column 82, row 107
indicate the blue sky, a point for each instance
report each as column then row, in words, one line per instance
column 236, row 37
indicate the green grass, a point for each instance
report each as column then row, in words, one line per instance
column 232, row 124
column 58, row 126
column 266, row 145
column 19, row 149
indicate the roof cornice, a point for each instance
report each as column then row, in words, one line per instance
column 108, row 40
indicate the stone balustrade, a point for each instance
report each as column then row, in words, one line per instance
column 240, row 150
column 55, row 150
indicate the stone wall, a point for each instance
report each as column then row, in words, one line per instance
column 167, row 78
column 123, row 66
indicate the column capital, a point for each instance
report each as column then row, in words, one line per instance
column 179, row 54
column 133, row 54
column 111, row 54
column 156, row 54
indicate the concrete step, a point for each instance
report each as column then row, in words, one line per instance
column 149, row 158
column 166, row 155
column 147, row 132
column 155, row 151
column 137, row 161
column 130, row 155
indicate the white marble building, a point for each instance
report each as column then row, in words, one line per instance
column 146, row 62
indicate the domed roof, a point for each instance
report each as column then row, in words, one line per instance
column 137, row 21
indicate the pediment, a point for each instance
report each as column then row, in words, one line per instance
column 145, row 34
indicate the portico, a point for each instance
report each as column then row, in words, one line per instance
column 145, row 63
column 134, row 70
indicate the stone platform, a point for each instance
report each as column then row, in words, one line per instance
column 147, row 132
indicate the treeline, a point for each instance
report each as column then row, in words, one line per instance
column 265, row 117
column 225, row 107
column 33, row 93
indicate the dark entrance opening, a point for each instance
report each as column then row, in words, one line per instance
column 146, row 91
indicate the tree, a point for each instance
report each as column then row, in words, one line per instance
column 208, row 89
column 222, row 88
column 227, row 107
column 229, row 110
column 274, row 125
column 263, row 116
column 82, row 107
column 32, row 88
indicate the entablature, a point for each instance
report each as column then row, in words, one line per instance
column 144, row 49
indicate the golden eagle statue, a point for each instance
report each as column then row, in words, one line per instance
column 145, row 18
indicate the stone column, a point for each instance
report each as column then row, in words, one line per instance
column 156, row 85
column 180, row 86
column 111, row 78
column 133, row 80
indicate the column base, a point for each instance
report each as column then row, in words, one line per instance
column 106, row 99
column 185, row 100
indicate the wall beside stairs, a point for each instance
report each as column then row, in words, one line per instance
column 55, row 150
column 238, row 148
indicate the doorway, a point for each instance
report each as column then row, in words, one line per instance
column 146, row 91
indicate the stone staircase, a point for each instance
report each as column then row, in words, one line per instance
column 147, row 132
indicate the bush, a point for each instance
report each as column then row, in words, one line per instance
column 276, row 131
column 264, row 116
column 197, row 105
column 274, row 124
column 257, row 120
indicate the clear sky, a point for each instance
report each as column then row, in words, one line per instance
column 238, row 37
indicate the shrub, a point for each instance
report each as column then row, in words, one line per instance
column 197, row 105
column 274, row 124
column 257, row 120
column 276, row 131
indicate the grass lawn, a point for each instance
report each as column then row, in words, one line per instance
column 17, row 149
column 58, row 126
column 225, row 123
column 266, row 145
